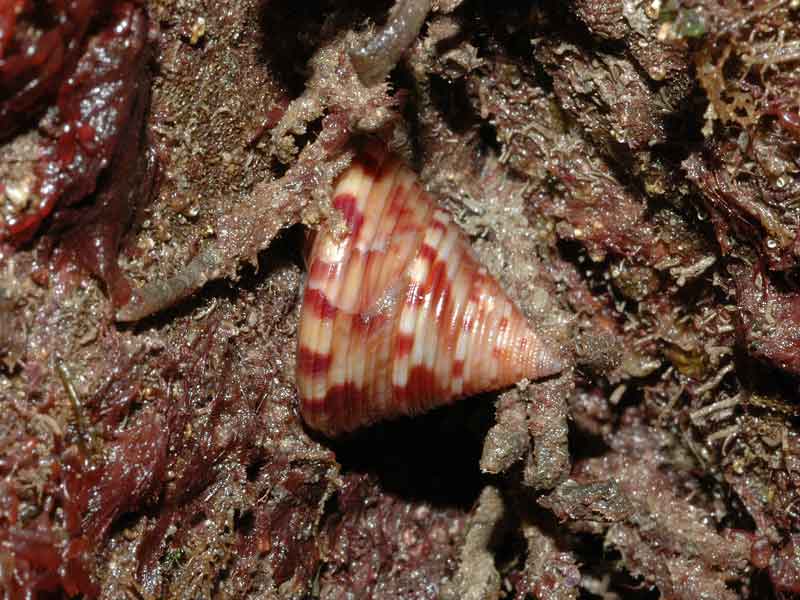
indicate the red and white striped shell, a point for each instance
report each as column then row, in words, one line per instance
column 398, row 315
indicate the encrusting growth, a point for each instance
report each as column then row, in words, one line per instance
column 398, row 315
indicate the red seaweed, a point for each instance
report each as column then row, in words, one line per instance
column 39, row 43
column 97, row 129
column 769, row 318
column 92, row 493
column 784, row 569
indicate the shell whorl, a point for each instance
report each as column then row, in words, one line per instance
column 398, row 315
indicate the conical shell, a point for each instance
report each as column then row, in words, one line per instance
column 398, row 316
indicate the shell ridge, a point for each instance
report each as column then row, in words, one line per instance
column 500, row 350
column 349, row 382
column 310, row 329
column 403, row 345
column 373, row 356
column 395, row 264
column 353, row 392
column 376, row 304
column 422, row 333
column 441, row 291
column 472, row 333
column 430, row 343
column 420, row 388
column 442, row 359
column 487, row 359
column 377, row 255
column 401, row 359
column 449, row 362
column 399, row 315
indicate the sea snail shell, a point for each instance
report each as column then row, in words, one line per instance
column 398, row 315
